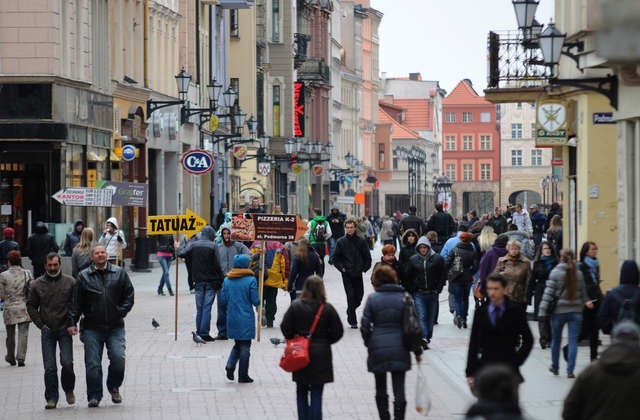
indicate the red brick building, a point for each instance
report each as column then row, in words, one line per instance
column 471, row 150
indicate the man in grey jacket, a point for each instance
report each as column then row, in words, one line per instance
column 227, row 249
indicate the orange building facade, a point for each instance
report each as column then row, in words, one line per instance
column 471, row 150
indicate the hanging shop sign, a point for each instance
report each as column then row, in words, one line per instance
column 197, row 162
column 296, row 168
column 264, row 168
column 240, row 151
column 267, row 227
column 298, row 109
column 107, row 194
column 551, row 123
column 129, row 152
column 189, row 223
column 317, row 170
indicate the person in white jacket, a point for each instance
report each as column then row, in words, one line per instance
column 113, row 240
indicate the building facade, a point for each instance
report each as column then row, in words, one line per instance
column 471, row 153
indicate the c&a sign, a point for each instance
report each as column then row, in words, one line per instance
column 197, row 162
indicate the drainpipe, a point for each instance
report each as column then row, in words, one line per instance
column 145, row 48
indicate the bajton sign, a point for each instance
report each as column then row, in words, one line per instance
column 267, row 227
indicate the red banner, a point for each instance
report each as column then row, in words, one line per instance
column 298, row 109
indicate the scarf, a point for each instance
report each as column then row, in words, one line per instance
column 240, row 272
column 593, row 265
column 549, row 261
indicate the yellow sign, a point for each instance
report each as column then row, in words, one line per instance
column 213, row 123
column 296, row 168
column 189, row 223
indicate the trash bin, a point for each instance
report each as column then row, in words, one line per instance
column 141, row 256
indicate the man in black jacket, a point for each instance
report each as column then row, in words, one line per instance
column 424, row 280
column 500, row 332
column 336, row 223
column 412, row 222
column 207, row 277
column 626, row 293
column 352, row 258
column 442, row 223
column 498, row 222
column 103, row 296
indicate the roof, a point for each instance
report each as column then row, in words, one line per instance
column 464, row 94
column 399, row 130
column 418, row 115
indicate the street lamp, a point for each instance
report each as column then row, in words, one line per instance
column 525, row 12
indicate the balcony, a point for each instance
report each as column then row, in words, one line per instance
column 300, row 48
column 314, row 70
column 516, row 73
column 234, row 4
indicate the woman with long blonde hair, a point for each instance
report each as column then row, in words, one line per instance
column 487, row 238
column 81, row 256
column 566, row 289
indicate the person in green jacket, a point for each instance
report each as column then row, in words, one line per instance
column 319, row 233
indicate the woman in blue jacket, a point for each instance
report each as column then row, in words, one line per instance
column 239, row 295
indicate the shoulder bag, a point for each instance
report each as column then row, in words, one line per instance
column 411, row 327
column 296, row 352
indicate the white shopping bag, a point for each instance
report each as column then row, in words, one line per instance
column 423, row 396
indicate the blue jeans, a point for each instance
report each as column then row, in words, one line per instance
column 205, row 296
column 49, row 341
column 574, row 321
column 309, row 400
column 332, row 246
column 94, row 343
column 165, row 263
column 461, row 291
column 221, row 321
column 426, row 305
column 241, row 352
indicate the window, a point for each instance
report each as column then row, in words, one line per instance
column 450, row 171
column 516, row 157
column 516, row 131
column 275, row 20
column 533, row 130
column 395, row 162
column 234, row 30
column 467, row 172
column 485, row 172
column 450, row 117
column 450, row 142
column 536, row 157
column 381, row 156
column 485, row 117
column 467, row 142
column 276, row 111
column 485, row 142
column 466, row 117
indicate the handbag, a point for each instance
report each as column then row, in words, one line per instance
column 296, row 351
column 411, row 327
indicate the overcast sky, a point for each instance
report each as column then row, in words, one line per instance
column 445, row 40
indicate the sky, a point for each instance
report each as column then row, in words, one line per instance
column 444, row 40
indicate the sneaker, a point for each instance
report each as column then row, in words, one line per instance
column 207, row 338
column 50, row 405
column 71, row 397
column 220, row 337
column 93, row 403
column 115, row 396
column 229, row 371
column 246, row 380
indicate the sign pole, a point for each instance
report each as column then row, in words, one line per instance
column 261, row 285
column 175, row 316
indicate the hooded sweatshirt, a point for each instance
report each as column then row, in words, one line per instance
column 113, row 242
column 425, row 272
column 72, row 238
column 318, row 220
column 228, row 250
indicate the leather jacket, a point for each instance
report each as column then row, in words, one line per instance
column 425, row 273
column 102, row 297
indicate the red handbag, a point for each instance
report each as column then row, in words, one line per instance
column 296, row 352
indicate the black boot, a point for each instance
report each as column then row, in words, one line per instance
column 399, row 408
column 383, row 407
column 170, row 291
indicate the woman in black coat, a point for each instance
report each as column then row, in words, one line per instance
column 305, row 263
column 543, row 263
column 590, row 267
column 381, row 328
column 297, row 321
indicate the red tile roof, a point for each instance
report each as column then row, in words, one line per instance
column 399, row 130
column 463, row 94
column 419, row 113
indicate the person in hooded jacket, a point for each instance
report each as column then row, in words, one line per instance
column 460, row 281
column 425, row 280
column 545, row 260
column 72, row 238
column 297, row 321
column 627, row 290
column 608, row 387
column 305, row 263
column 240, row 295
column 319, row 244
column 38, row 245
column 382, row 332
column 114, row 241
column 207, row 277
column 407, row 250
column 336, row 222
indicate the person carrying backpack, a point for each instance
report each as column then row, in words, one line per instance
column 621, row 302
column 461, row 265
column 319, row 233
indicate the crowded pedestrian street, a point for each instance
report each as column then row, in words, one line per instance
column 167, row 379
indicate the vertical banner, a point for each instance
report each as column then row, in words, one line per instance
column 298, row 109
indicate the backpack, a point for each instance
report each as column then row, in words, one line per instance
column 457, row 268
column 320, row 232
column 628, row 308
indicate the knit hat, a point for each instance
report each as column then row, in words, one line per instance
column 629, row 273
column 8, row 232
column 465, row 237
column 241, row 261
column 423, row 241
column 388, row 249
column 626, row 331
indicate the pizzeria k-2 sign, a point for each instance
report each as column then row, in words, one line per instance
column 266, row 227
column 551, row 123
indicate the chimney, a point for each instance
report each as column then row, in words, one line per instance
column 415, row 76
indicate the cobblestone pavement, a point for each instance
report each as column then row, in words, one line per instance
column 167, row 379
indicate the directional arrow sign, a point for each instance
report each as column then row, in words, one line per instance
column 189, row 223
column 84, row 197
column 267, row 227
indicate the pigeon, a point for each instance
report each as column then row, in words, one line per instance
column 154, row 323
column 197, row 339
column 275, row 341
column 129, row 80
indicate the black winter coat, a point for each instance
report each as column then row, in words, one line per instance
column 102, row 298
column 381, row 329
column 509, row 341
column 336, row 223
column 425, row 273
column 352, row 255
column 300, row 271
column 297, row 321
column 39, row 244
column 204, row 260
column 612, row 303
column 443, row 224
column 412, row 222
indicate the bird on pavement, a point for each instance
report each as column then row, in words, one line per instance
column 197, row 339
column 154, row 323
column 275, row 341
